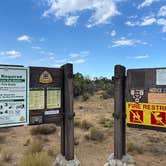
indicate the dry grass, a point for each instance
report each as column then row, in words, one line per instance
column 37, row 159
column 84, row 124
column 43, row 130
column 6, row 155
column 35, row 147
column 90, row 153
column 2, row 139
column 132, row 147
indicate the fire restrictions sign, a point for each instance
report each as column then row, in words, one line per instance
column 14, row 87
column 146, row 114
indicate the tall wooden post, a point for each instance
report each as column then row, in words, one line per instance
column 119, row 112
column 62, row 145
column 68, row 128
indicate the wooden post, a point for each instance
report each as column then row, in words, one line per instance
column 119, row 112
column 62, row 146
column 68, row 132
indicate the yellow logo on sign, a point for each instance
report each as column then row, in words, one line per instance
column 45, row 78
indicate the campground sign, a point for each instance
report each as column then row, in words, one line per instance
column 39, row 95
column 14, row 88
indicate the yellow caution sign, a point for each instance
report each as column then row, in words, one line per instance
column 146, row 114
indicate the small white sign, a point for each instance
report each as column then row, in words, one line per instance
column 161, row 77
column 51, row 112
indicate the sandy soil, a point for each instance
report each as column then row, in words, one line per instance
column 148, row 147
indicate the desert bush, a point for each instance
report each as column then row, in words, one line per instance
column 6, row 155
column 2, row 139
column 77, row 123
column 131, row 147
column 76, row 140
column 85, row 125
column 28, row 140
column 50, row 152
column 108, row 123
column 43, row 130
column 38, row 159
column 81, row 107
column 105, row 96
column 1, row 148
column 85, row 97
column 95, row 134
column 35, row 147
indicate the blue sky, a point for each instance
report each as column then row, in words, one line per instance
column 94, row 35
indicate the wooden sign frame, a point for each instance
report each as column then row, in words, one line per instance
column 134, row 87
column 44, row 84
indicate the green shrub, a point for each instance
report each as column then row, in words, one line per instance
column 38, row 159
column 35, row 147
column 108, row 123
column 77, row 123
column 131, row 147
column 85, row 97
column 96, row 134
column 43, row 130
column 85, row 125
column 50, row 152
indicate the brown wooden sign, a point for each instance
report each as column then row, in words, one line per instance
column 45, row 96
column 50, row 99
column 146, row 98
column 139, row 100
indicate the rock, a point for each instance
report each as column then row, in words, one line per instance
column 126, row 161
column 61, row 161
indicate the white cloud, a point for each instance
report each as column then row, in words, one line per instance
column 113, row 33
column 132, row 24
column 60, row 61
column 139, row 57
column 144, row 22
column 162, row 11
column 13, row 54
column 79, row 61
column 162, row 22
column 51, row 57
column 72, row 20
column 51, row 53
column 37, row 47
column 87, row 52
column 2, row 53
column 74, row 55
column 81, row 54
column 42, row 39
column 148, row 21
column 24, row 38
column 127, row 42
column 146, row 3
column 102, row 10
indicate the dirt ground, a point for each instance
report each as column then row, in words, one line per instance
column 147, row 147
